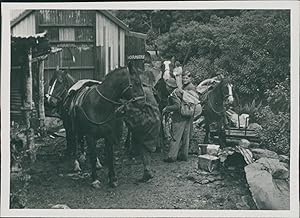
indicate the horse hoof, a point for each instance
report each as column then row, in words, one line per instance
column 113, row 184
column 96, row 184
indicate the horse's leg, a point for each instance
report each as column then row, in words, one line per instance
column 69, row 152
column 113, row 182
column 160, row 147
column 77, row 167
column 69, row 140
column 91, row 142
column 128, row 141
column 146, row 156
column 221, row 134
column 82, row 142
column 207, row 132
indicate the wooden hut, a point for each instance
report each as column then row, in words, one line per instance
column 93, row 42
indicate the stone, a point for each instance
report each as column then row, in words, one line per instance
column 284, row 159
column 268, row 183
column 60, row 206
column 254, row 126
column 244, row 143
column 260, row 153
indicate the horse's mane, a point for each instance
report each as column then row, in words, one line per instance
column 113, row 72
column 70, row 78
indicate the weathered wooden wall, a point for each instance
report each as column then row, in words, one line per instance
column 26, row 26
column 74, row 31
column 98, row 41
column 110, row 45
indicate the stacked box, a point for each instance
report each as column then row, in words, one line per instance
column 208, row 162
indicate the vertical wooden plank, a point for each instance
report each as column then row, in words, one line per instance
column 116, row 62
column 41, row 97
column 122, row 48
column 119, row 44
column 109, row 58
column 105, row 45
column 28, row 109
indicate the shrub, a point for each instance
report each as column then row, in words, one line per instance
column 275, row 134
column 251, row 108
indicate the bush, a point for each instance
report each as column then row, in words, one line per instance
column 200, row 69
column 275, row 134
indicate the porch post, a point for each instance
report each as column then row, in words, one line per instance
column 28, row 110
column 41, row 105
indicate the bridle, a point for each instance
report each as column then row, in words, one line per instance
column 227, row 97
column 129, row 88
column 57, row 97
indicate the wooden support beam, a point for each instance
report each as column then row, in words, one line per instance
column 41, row 104
column 28, row 91
column 28, row 110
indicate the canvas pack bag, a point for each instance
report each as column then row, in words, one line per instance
column 188, row 103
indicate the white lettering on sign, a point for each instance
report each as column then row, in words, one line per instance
column 136, row 57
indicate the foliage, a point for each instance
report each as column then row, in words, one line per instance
column 158, row 22
column 251, row 108
column 275, row 133
column 253, row 47
column 200, row 69
column 279, row 97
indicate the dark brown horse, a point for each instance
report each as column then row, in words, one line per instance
column 214, row 108
column 96, row 112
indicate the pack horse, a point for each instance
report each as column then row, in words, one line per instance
column 97, row 111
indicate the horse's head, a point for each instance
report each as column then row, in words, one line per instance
column 58, row 87
column 227, row 91
column 127, row 82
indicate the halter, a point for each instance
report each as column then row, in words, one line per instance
column 58, row 97
column 230, row 95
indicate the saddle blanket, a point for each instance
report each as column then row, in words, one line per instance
column 84, row 82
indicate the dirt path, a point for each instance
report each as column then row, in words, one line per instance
column 175, row 185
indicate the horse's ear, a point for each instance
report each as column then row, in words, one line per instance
column 131, row 68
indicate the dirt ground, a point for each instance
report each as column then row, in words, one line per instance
column 179, row 185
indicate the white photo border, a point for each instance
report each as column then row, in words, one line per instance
column 293, row 6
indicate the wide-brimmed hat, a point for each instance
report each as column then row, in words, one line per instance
column 171, row 82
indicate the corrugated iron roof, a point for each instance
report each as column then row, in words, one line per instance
column 106, row 13
column 138, row 35
column 38, row 35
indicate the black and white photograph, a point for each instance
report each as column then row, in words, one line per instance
column 150, row 109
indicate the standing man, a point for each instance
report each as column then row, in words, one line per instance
column 181, row 125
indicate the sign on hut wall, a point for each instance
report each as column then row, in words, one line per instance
column 135, row 49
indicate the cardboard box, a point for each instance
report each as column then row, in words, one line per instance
column 210, row 149
column 208, row 162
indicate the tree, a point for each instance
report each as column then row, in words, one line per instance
column 253, row 47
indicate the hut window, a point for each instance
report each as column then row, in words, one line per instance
column 52, row 33
column 66, row 34
column 84, row 34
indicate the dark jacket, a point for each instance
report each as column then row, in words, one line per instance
column 174, row 102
